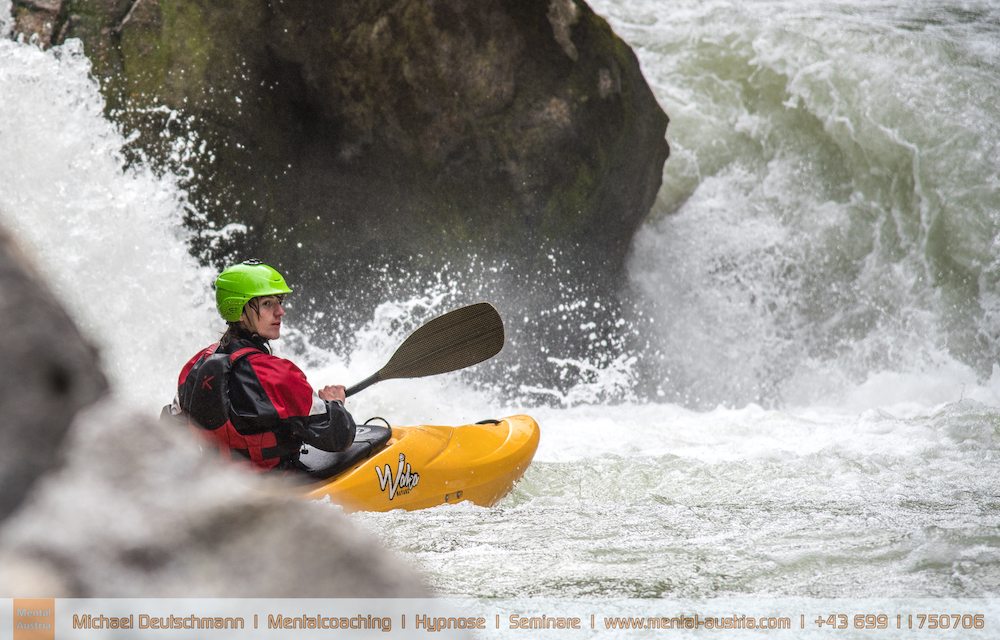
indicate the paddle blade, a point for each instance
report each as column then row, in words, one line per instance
column 458, row 339
column 455, row 340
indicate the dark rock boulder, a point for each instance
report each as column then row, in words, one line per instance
column 346, row 133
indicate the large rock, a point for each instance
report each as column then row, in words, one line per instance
column 137, row 512
column 345, row 133
column 48, row 371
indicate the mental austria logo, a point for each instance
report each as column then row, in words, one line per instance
column 404, row 481
column 34, row 619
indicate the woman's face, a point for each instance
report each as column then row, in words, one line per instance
column 266, row 321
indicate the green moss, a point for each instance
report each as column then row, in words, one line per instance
column 170, row 62
column 568, row 204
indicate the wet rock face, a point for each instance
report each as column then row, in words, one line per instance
column 342, row 134
column 38, row 20
column 48, row 371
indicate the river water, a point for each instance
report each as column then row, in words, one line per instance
column 812, row 406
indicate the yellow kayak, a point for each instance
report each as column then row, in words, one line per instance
column 424, row 466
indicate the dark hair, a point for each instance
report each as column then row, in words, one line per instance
column 237, row 331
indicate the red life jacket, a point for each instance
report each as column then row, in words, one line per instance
column 249, row 437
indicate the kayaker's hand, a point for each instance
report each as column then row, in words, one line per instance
column 333, row 392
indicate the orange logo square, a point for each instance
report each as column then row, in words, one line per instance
column 34, row 619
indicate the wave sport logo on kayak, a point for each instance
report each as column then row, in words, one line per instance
column 402, row 483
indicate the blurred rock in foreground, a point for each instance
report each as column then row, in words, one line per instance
column 138, row 512
column 47, row 373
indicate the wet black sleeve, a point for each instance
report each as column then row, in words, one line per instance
column 332, row 431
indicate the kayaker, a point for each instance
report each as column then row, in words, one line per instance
column 250, row 406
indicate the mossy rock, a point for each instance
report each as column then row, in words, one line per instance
column 357, row 132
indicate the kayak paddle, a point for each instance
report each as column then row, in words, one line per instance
column 455, row 340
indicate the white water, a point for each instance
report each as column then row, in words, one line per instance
column 833, row 171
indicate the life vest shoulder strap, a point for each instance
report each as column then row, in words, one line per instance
column 242, row 353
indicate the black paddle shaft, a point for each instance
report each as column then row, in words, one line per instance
column 453, row 341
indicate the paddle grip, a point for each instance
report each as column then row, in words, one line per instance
column 364, row 384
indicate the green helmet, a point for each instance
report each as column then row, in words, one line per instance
column 239, row 283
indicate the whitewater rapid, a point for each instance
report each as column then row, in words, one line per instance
column 811, row 407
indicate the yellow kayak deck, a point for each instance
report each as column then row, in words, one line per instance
column 424, row 466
